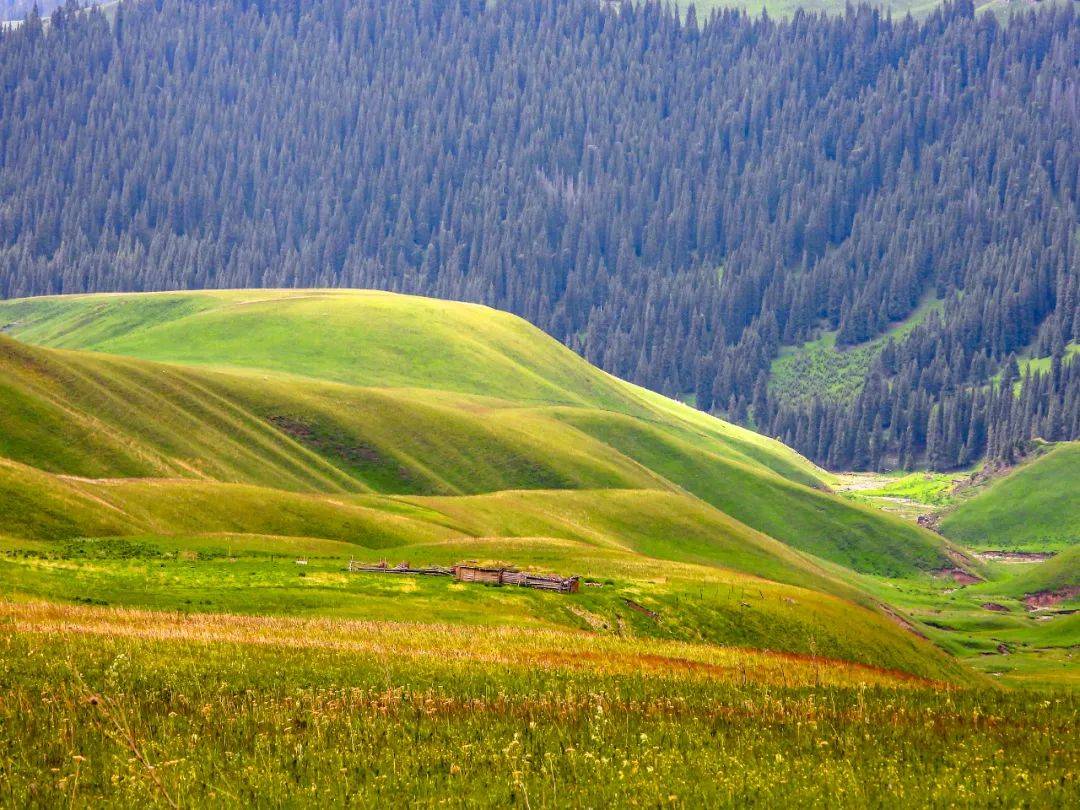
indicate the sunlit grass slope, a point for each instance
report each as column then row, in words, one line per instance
column 208, row 438
column 605, row 532
column 101, row 416
column 1036, row 508
column 361, row 391
column 694, row 601
column 1059, row 572
column 365, row 338
column 856, row 537
column 179, row 545
column 359, row 337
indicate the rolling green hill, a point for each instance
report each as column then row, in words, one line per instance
column 1059, row 572
column 363, row 338
column 367, row 338
column 1034, row 508
column 258, row 425
column 447, row 416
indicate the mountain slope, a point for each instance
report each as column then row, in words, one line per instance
column 1034, row 508
column 259, row 430
column 556, row 422
column 364, row 338
column 674, row 232
column 1060, row 573
column 171, row 544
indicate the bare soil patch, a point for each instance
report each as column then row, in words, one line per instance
column 1043, row 600
column 956, row 575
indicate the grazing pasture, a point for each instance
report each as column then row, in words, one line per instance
column 149, row 708
column 1034, row 508
column 191, row 484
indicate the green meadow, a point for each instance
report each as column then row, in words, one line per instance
column 1018, row 527
column 185, row 478
column 279, row 422
column 1035, row 508
column 151, row 709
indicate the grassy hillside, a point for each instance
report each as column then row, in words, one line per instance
column 1059, row 572
column 855, row 537
column 490, row 403
column 176, row 544
column 708, row 577
column 1034, row 508
column 1017, row 622
column 208, row 438
column 174, row 591
column 363, row 338
column 1019, row 625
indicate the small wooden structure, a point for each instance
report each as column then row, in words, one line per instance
column 475, row 573
column 382, row 567
column 509, row 576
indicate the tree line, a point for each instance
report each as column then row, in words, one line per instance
column 674, row 197
column 902, row 425
column 18, row 9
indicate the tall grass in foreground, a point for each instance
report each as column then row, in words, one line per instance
column 166, row 718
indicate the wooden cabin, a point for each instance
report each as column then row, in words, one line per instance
column 476, row 573
column 508, row 576
column 485, row 576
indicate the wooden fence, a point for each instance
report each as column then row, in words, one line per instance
column 400, row 568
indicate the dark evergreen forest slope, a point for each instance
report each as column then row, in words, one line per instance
column 17, row 10
column 674, row 200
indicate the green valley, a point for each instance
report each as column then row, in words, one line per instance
column 232, row 424
column 1016, row 618
column 196, row 471
column 539, row 404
